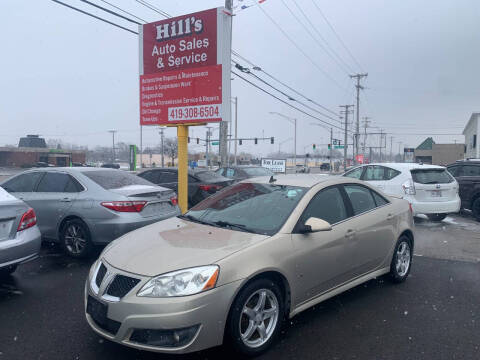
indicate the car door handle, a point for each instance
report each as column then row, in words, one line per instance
column 389, row 216
column 66, row 200
column 350, row 233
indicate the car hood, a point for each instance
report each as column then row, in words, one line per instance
column 175, row 244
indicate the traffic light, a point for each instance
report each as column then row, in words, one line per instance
column 256, row 141
column 314, row 146
column 329, row 146
column 240, row 142
column 198, row 141
column 272, row 140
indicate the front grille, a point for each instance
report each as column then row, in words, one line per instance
column 121, row 285
column 100, row 275
column 98, row 312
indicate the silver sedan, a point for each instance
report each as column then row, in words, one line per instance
column 80, row 207
column 239, row 263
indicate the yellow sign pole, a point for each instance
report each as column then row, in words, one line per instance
column 182, row 135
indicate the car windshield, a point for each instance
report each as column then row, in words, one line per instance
column 431, row 176
column 256, row 208
column 207, row 175
column 115, row 179
column 258, row 171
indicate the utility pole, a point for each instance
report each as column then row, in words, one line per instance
column 236, row 128
column 294, row 122
column 207, row 144
column 359, row 87
column 381, row 144
column 345, row 146
column 331, row 149
column 399, row 147
column 391, row 148
column 366, row 122
column 223, row 134
column 113, row 144
column 161, row 145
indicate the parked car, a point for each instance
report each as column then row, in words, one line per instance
column 111, row 166
column 325, row 166
column 299, row 168
column 80, row 207
column 240, row 262
column 201, row 183
column 19, row 235
column 467, row 174
column 430, row 189
column 242, row 172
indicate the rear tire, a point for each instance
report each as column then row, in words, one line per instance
column 436, row 217
column 253, row 324
column 8, row 270
column 401, row 260
column 476, row 209
column 75, row 239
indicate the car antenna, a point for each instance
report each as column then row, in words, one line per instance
column 272, row 180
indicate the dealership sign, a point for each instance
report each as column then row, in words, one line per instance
column 275, row 165
column 185, row 69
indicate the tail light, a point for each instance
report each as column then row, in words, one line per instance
column 174, row 200
column 411, row 208
column 209, row 187
column 125, row 206
column 409, row 187
column 28, row 220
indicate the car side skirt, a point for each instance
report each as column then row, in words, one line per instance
column 338, row 290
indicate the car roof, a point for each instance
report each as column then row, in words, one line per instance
column 302, row 180
column 407, row 166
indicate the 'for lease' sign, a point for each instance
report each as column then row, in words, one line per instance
column 276, row 165
column 183, row 78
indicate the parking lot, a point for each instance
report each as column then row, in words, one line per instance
column 434, row 315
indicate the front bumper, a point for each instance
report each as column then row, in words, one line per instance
column 25, row 246
column 105, row 231
column 208, row 311
column 439, row 207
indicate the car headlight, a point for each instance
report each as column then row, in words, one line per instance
column 182, row 282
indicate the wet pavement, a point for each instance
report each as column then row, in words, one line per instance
column 434, row 315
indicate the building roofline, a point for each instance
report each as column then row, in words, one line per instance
column 474, row 115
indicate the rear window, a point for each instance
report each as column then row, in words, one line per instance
column 431, row 176
column 207, row 175
column 258, row 171
column 115, row 179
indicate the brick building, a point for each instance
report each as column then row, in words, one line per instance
column 27, row 156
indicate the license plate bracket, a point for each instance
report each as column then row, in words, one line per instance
column 436, row 193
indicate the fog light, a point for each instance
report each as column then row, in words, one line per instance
column 164, row 338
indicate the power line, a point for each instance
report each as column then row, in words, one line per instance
column 336, row 35
column 346, row 70
column 299, row 48
column 94, row 16
column 286, row 103
column 151, row 7
column 258, row 68
column 110, row 11
column 349, row 69
column 122, row 10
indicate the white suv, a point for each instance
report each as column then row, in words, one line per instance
column 430, row 189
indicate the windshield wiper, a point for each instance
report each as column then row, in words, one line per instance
column 222, row 223
column 193, row 219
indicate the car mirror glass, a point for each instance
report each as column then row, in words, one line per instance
column 314, row 224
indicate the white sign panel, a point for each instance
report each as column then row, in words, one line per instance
column 276, row 165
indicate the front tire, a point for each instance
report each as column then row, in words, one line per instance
column 256, row 317
column 401, row 260
column 75, row 239
column 436, row 217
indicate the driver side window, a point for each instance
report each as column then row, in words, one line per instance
column 355, row 173
column 327, row 205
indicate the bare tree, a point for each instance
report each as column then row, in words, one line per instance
column 171, row 148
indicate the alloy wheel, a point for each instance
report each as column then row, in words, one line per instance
column 75, row 239
column 259, row 318
column 403, row 258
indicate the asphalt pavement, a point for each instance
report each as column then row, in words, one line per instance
column 435, row 314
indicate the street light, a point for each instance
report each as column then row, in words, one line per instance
column 294, row 122
column 331, row 142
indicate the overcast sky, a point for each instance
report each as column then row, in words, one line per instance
column 66, row 75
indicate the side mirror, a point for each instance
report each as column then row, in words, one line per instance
column 314, row 224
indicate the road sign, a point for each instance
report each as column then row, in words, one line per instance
column 276, row 165
column 215, row 142
column 183, row 78
column 339, row 147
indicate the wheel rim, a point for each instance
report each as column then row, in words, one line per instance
column 75, row 239
column 403, row 258
column 259, row 318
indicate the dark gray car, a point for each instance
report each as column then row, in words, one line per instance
column 242, row 172
column 19, row 234
column 80, row 207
